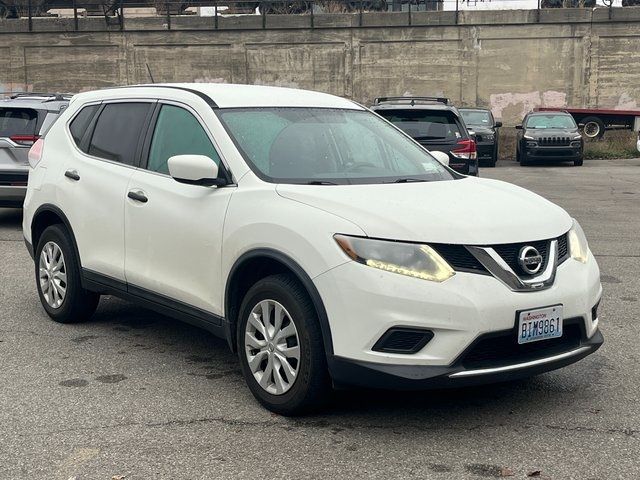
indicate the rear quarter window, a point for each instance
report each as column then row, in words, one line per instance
column 80, row 123
column 18, row 121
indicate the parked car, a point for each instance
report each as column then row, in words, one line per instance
column 638, row 141
column 23, row 118
column 435, row 124
column 549, row 136
column 486, row 133
column 326, row 246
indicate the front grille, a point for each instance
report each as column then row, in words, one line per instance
column 459, row 258
column 554, row 141
column 510, row 251
column 403, row 340
column 563, row 249
column 502, row 348
column 14, row 178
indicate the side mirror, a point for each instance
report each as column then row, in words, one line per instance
column 518, row 127
column 195, row 170
column 472, row 133
column 442, row 157
column 498, row 124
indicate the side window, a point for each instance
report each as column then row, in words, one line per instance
column 118, row 130
column 79, row 124
column 177, row 132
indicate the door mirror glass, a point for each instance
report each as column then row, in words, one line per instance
column 518, row 127
column 498, row 124
column 194, row 170
column 442, row 157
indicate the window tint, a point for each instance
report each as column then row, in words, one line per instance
column 117, row 131
column 79, row 124
column 477, row 117
column 17, row 121
column 177, row 132
column 551, row 121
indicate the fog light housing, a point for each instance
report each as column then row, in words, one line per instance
column 403, row 340
column 594, row 311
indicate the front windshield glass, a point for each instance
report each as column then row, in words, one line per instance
column 476, row 117
column 323, row 145
column 551, row 121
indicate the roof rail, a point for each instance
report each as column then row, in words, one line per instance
column 411, row 100
column 52, row 97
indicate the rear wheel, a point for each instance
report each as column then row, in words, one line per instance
column 280, row 347
column 593, row 127
column 57, row 271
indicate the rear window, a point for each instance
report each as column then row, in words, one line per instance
column 425, row 125
column 18, row 121
column 118, row 130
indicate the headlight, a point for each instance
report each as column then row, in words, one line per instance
column 528, row 137
column 577, row 137
column 578, row 246
column 412, row 260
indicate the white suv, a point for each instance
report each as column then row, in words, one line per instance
column 326, row 246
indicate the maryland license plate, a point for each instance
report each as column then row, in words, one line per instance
column 540, row 324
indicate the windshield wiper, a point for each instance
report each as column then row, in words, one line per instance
column 408, row 180
column 320, row 182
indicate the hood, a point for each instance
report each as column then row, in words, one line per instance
column 469, row 211
column 552, row 132
column 480, row 128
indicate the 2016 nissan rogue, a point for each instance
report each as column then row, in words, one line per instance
column 324, row 244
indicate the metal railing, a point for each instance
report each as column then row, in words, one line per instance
column 114, row 11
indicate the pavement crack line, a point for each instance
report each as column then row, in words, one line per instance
column 332, row 427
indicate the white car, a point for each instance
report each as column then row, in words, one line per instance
column 326, row 246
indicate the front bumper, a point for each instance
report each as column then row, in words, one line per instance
column 346, row 372
column 363, row 303
column 486, row 152
column 554, row 153
column 466, row 167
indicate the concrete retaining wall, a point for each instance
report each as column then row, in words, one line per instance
column 510, row 61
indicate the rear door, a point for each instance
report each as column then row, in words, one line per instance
column 95, row 176
column 174, row 235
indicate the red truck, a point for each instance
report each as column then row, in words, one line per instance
column 595, row 121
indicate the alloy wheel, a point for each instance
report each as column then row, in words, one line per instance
column 272, row 347
column 52, row 273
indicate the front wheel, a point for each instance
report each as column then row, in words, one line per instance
column 57, row 272
column 578, row 163
column 280, row 347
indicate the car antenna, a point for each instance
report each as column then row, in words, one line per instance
column 149, row 70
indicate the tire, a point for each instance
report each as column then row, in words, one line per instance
column 578, row 163
column 76, row 304
column 524, row 162
column 309, row 389
column 593, row 128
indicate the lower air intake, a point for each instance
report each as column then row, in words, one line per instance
column 403, row 340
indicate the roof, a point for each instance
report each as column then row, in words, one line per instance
column 474, row 109
column 546, row 113
column 417, row 106
column 231, row 95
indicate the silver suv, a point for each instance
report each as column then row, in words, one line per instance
column 24, row 117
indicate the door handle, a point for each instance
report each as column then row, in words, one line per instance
column 72, row 174
column 138, row 196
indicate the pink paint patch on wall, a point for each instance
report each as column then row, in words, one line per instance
column 8, row 89
column 510, row 105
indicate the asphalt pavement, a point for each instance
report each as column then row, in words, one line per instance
column 136, row 395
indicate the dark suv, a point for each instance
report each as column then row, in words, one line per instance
column 23, row 119
column 485, row 128
column 435, row 124
column 549, row 136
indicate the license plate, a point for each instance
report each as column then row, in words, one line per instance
column 540, row 324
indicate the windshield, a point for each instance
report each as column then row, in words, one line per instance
column 551, row 121
column 476, row 117
column 424, row 125
column 322, row 145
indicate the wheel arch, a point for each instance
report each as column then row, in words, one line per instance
column 260, row 263
column 45, row 216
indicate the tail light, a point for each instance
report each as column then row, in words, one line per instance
column 25, row 140
column 465, row 149
column 35, row 152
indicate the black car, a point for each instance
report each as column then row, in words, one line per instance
column 482, row 123
column 549, row 136
column 435, row 124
